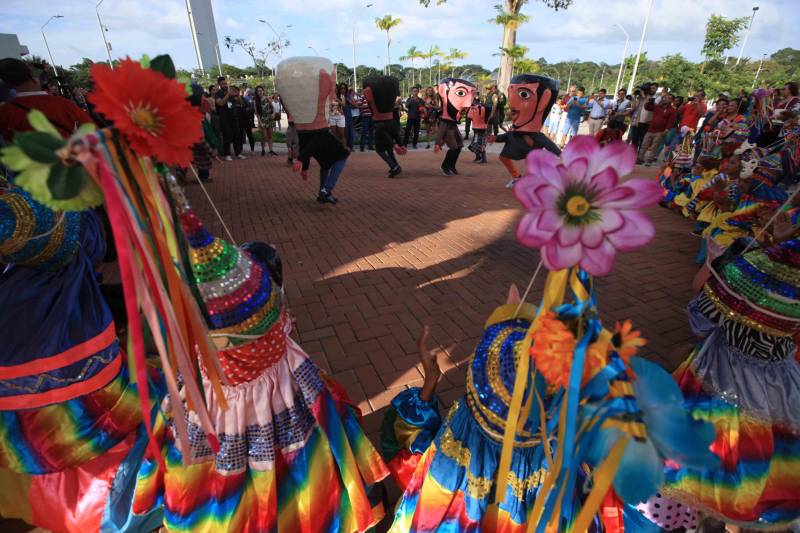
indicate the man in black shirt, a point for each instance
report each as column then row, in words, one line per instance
column 227, row 120
column 413, row 104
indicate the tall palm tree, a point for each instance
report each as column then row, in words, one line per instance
column 386, row 23
column 432, row 52
column 454, row 54
column 411, row 55
column 510, row 18
column 515, row 53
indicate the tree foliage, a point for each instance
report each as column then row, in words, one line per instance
column 721, row 35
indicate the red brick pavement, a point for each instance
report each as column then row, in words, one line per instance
column 364, row 276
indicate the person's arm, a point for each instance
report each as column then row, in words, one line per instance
column 223, row 100
column 306, row 151
column 650, row 106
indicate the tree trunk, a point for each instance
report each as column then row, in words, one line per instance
column 506, row 61
column 388, row 54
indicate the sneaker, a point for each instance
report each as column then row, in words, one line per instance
column 263, row 152
column 240, row 156
column 289, row 161
column 446, row 171
column 395, row 171
column 228, row 158
column 454, row 171
column 510, row 184
column 271, row 152
column 331, row 199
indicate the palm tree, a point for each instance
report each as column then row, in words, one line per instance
column 454, row 54
column 385, row 24
column 411, row 55
column 510, row 19
column 432, row 52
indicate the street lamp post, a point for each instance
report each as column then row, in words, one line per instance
column 624, row 56
column 746, row 35
column 355, row 66
column 103, row 33
column 49, row 53
column 641, row 44
column 760, row 64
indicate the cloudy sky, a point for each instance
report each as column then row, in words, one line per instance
column 585, row 31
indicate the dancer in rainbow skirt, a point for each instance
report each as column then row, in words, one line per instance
column 71, row 432
column 745, row 378
column 292, row 456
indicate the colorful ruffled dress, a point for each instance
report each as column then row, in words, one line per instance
column 448, row 468
column 744, row 377
column 71, row 433
column 292, row 457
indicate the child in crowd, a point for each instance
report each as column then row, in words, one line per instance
column 613, row 131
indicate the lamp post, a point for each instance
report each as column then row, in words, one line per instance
column 746, row 35
column 49, row 53
column 760, row 64
column 103, row 33
column 355, row 66
column 624, row 56
column 641, row 44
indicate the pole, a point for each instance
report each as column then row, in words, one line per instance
column 624, row 56
column 746, row 35
column 569, row 79
column 49, row 53
column 103, row 33
column 760, row 64
column 194, row 37
column 602, row 76
column 641, row 45
column 219, row 59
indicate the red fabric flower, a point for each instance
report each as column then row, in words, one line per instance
column 150, row 109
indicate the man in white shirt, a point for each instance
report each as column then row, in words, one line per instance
column 598, row 109
column 622, row 107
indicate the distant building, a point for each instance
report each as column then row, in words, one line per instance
column 10, row 47
column 204, row 34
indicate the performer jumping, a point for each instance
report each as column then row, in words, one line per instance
column 456, row 95
column 530, row 98
column 381, row 93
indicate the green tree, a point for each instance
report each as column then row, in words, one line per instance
column 386, row 23
column 454, row 55
column 721, row 35
column 433, row 51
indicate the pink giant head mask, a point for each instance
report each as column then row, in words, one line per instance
column 456, row 94
column 306, row 86
column 530, row 98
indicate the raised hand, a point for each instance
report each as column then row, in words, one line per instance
column 430, row 367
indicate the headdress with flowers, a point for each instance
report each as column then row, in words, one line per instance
column 616, row 413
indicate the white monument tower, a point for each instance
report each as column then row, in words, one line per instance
column 204, row 34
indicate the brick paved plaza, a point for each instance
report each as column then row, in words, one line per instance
column 362, row 277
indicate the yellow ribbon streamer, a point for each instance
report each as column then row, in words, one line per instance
column 603, row 477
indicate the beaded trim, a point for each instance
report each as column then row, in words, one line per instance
column 23, row 224
column 733, row 314
column 267, row 314
column 761, row 289
column 784, row 273
column 480, row 487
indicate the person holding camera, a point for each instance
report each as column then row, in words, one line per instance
column 598, row 109
column 664, row 116
column 576, row 103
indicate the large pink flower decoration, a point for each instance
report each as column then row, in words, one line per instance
column 578, row 213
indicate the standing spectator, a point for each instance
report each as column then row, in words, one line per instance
column 663, row 116
column 790, row 101
column 622, row 107
column 355, row 117
column 367, row 126
column 467, row 119
column 635, row 134
column 691, row 112
column 598, row 109
column 645, row 114
column 499, row 111
column 336, row 119
column 52, row 88
column 292, row 139
column 245, row 117
column 238, row 109
column 265, row 115
column 413, row 105
column 277, row 110
column 227, row 119
column 574, row 107
column 431, row 113
column 64, row 114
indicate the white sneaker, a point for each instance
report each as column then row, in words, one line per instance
column 228, row 158
column 240, row 156
column 510, row 184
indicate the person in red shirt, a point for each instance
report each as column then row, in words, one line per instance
column 64, row 114
column 664, row 117
column 692, row 110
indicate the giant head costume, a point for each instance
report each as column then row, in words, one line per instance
column 530, row 98
column 381, row 93
column 456, row 94
column 306, row 86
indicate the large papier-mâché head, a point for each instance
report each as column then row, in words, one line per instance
column 530, row 98
column 306, row 86
column 381, row 93
column 456, row 94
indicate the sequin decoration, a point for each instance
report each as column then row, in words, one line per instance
column 246, row 362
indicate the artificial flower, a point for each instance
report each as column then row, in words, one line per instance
column 577, row 212
column 149, row 109
column 45, row 168
column 627, row 340
column 552, row 349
